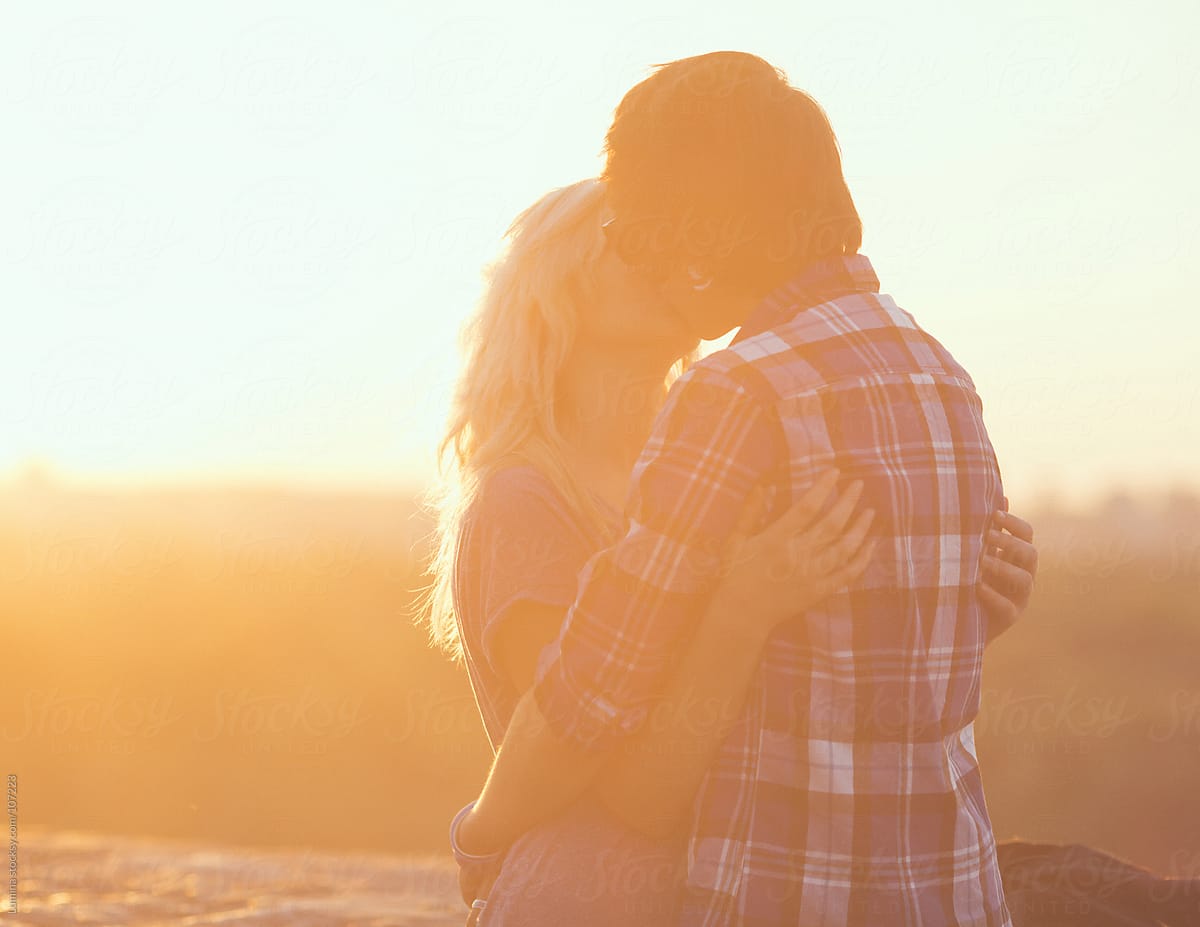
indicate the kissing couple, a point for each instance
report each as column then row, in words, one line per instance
column 724, row 617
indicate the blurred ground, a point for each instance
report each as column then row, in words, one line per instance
column 240, row 668
column 87, row 879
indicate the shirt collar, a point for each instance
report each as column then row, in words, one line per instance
column 817, row 283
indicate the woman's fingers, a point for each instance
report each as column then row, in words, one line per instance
column 851, row 571
column 750, row 516
column 468, row 885
column 825, row 544
column 999, row 608
column 802, row 514
column 1007, row 578
column 1012, row 549
column 1018, row 526
column 811, row 540
column 842, row 549
column 853, row 539
column 833, row 522
column 482, row 890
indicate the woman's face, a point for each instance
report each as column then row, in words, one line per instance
column 630, row 315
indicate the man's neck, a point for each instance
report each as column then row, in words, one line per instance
column 819, row 281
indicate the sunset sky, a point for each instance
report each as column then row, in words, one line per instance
column 238, row 239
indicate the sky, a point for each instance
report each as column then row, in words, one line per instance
column 239, row 239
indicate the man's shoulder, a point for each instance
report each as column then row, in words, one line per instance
column 779, row 361
column 722, row 376
column 852, row 338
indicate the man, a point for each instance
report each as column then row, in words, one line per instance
column 849, row 791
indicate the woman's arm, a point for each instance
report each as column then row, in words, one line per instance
column 650, row 781
column 647, row 785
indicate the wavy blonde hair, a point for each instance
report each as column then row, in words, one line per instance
column 506, row 408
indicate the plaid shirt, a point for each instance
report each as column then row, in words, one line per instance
column 848, row 791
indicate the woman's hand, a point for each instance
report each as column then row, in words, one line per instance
column 798, row 559
column 1010, row 563
column 474, row 887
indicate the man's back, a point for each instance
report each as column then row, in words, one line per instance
column 849, row 791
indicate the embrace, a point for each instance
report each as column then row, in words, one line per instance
column 724, row 617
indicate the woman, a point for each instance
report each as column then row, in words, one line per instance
column 569, row 358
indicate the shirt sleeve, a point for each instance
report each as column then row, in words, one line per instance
column 523, row 549
column 712, row 442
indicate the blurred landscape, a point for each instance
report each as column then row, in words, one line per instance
column 76, row 878
column 241, row 668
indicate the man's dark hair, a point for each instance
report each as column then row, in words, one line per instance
column 717, row 160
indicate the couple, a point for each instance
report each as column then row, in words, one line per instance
column 724, row 618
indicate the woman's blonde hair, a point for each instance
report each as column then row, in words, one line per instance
column 505, row 408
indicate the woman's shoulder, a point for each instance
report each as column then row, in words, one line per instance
column 517, row 477
column 519, row 487
column 519, row 544
column 519, row 503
